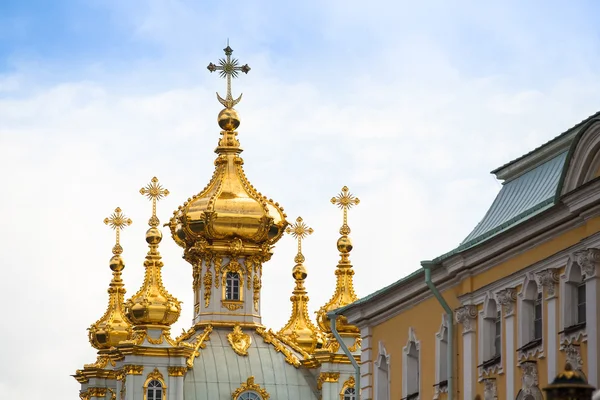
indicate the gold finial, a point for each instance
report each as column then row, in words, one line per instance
column 154, row 191
column 299, row 231
column 228, row 68
column 345, row 200
column 117, row 221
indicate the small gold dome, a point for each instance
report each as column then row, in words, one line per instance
column 113, row 327
column 152, row 305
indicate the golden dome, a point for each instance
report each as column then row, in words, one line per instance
column 113, row 327
column 299, row 329
column 229, row 209
column 152, row 305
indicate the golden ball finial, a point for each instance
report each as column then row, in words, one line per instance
column 153, row 236
column 344, row 244
column 116, row 263
column 229, row 119
column 299, row 272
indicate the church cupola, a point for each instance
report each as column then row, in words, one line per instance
column 228, row 229
column 344, row 288
column 113, row 327
column 299, row 329
column 152, row 306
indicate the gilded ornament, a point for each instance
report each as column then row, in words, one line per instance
column 256, row 295
column 249, row 385
column 152, row 305
column 218, row 262
column 96, row 392
column 114, row 326
column 228, row 68
column 240, row 342
column 344, row 288
column 132, row 369
column 207, row 287
column 270, row 338
column 232, row 305
column 249, row 274
column 199, row 344
column 350, row 383
column 113, row 395
column 356, row 345
column 330, row 377
column 177, row 371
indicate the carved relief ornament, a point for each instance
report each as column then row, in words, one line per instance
column 573, row 353
column 548, row 278
column 239, row 341
column 529, row 378
column 466, row 315
column 490, row 389
column 588, row 260
column 507, row 299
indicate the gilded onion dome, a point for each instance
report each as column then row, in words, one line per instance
column 299, row 328
column 344, row 287
column 152, row 305
column 113, row 327
column 229, row 209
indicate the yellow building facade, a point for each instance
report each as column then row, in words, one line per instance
column 501, row 314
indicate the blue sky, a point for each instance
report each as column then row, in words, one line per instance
column 410, row 104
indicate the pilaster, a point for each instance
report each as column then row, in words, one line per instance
column 507, row 299
column 589, row 260
column 466, row 315
column 549, row 279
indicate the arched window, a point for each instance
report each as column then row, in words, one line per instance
column 574, row 304
column 232, row 286
column 155, row 390
column 492, row 332
column 249, row 395
column 531, row 320
column 349, row 394
column 382, row 375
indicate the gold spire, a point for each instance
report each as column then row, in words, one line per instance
column 344, row 287
column 299, row 328
column 229, row 213
column 152, row 305
column 113, row 327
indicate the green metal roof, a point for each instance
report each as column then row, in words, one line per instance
column 527, row 192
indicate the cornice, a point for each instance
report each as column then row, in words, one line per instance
column 527, row 235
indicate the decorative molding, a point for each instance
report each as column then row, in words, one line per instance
column 507, row 298
column 177, row 371
column 239, row 341
column 548, row 278
column 490, row 391
column 349, row 384
column 250, row 386
column 573, row 354
column 588, row 260
column 133, row 369
column 466, row 315
column 357, row 344
column 529, row 378
column 329, row 377
column 232, row 305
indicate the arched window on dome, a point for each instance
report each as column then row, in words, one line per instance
column 249, row 395
column 348, row 391
column 154, row 390
column 232, row 286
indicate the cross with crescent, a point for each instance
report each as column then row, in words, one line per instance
column 228, row 68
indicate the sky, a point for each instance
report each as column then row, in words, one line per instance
column 409, row 104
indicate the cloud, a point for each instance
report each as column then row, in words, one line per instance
column 411, row 129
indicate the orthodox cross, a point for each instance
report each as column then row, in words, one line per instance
column 154, row 191
column 228, row 68
column 345, row 200
column 117, row 221
column 299, row 230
